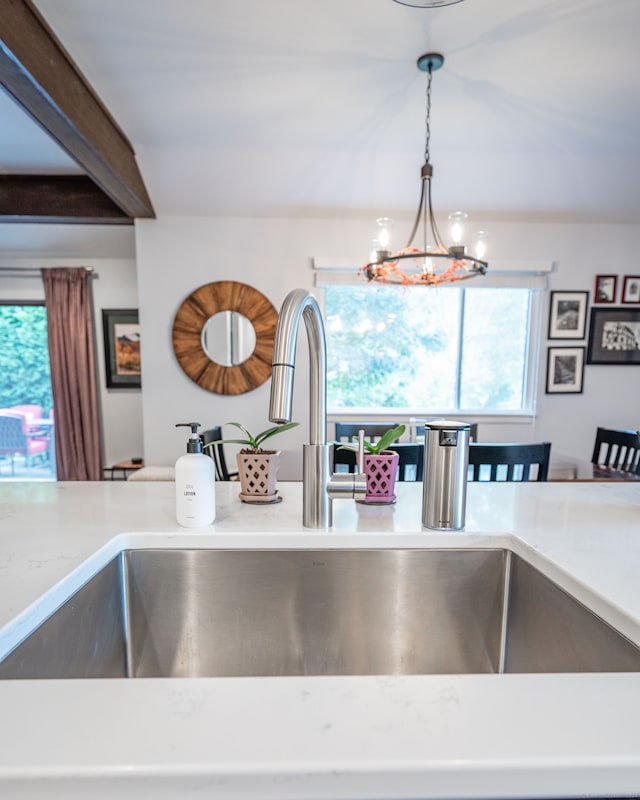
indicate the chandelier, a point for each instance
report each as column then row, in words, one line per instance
column 432, row 263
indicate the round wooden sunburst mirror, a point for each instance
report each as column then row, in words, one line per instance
column 187, row 336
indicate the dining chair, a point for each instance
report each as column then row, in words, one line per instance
column 213, row 436
column 509, row 461
column 17, row 440
column 343, row 460
column 411, row 460
column 348, row 431
column 617, row 449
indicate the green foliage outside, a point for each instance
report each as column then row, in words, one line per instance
column 426, row 349
column 383, row 343
column 495, row 351
column 25, row 374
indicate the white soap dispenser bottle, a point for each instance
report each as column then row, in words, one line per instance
column 195, row 483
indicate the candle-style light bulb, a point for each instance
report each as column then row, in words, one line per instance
column 385, row 228
column 428, row 265
column 480, row 244
column 457, row 220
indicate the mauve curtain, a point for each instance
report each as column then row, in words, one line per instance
column 67, row 298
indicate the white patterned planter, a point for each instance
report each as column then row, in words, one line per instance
column 258, row 473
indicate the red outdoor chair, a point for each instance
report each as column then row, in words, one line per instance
column 16, row 440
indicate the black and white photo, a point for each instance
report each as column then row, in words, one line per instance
column 614, row 336
column 567, row 315
column 565, row 370
column 605, row 291
column 631, row 289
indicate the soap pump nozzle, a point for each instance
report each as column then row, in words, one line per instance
column 194, row 443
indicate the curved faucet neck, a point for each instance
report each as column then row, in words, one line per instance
column 297, row 305
column 319, row 487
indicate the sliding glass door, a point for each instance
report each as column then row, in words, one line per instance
column 27, row 417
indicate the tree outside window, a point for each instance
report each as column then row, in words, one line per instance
column 27, row 451
column 431, row 349
column 25, row 373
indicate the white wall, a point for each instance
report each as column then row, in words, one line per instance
column 111, row 251
column 610, row 393
column 176, row 255
column 172, row 256
column 121, row 409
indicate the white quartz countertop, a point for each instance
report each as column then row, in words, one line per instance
column 432, row 736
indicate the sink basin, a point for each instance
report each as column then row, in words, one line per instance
column 196, row 613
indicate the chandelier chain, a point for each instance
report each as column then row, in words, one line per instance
column 428, row 118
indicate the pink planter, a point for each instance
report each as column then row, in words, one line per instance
column 381, row 471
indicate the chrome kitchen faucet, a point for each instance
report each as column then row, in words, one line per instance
column 319, row 486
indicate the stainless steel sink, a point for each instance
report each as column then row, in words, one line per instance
column 195, row 613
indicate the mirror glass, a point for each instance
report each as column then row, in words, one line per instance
column 228, row 338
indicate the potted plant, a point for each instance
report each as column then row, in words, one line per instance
column 380, row 466
column 258, row 468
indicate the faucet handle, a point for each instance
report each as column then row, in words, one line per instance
column 348, row 484
column 360, row 455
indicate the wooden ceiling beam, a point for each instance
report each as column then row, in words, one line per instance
column 39, row 74
column 57, row 198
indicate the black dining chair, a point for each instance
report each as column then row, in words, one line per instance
column 617, row 449
column 509, row 462
column 343, row 460
column 213, row 437
column 348, row 431
column 410, row 459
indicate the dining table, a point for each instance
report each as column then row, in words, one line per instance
column 564, row 467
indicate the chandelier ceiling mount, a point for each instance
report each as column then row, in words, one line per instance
column 430, row 62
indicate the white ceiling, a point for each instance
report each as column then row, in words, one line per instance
column 317, row 107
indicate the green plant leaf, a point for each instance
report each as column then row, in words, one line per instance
column 254, row 442
column 376, row 448
column 390, row 436
column 228, row 441
column 273, row 431
column 242, row 428
column 250, row 441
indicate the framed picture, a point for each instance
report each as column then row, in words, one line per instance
column 565, row 370
column 121, row 347
column 631, row 289
column 614, row 336
column 568, row 315
column 605, row 291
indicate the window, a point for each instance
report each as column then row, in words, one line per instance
column 449, row 349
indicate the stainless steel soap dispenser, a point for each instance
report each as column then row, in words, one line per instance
column 444, row 486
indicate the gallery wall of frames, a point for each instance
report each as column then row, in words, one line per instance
column 610, row 326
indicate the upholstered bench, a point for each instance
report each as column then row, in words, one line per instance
column 153, row 474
